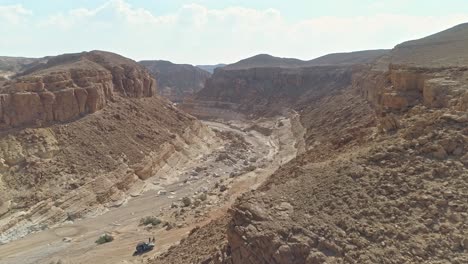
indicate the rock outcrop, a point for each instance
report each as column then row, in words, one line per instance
column 402, row 87
column 176, row 81
column 70, row 86
column 271, row 90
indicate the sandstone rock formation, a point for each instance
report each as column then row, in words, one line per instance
column 70, row 86
column 176, row 81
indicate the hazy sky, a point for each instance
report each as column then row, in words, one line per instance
column 214, row 31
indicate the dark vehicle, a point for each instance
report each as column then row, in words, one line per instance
column 143, row 247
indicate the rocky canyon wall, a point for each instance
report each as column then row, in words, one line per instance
column 268, row 91
column 69, row 90
column 402, row 87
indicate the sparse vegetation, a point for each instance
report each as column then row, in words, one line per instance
column 186, row 201
column 150, row 220
column 106, row 238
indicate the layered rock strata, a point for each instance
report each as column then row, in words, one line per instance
column 70, row 87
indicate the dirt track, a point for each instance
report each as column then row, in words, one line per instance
column 122, row 222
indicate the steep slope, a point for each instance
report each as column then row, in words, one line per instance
column 383, row 177
column 77, row 134
column 176, row 81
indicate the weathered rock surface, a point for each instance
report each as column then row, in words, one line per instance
column 70, row 86
column 270, row 90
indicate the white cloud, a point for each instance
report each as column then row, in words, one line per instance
column 197, row 34
column 13, row 14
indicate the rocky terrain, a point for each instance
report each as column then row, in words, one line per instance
column 77, row 134
column 176, row 81
column 383, row 176
column 266, row 85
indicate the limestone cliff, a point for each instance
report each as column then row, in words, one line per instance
column 70, row 86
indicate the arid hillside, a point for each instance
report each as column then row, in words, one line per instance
column 383, row 178
column 268, row 61
column 267, row 85
column 77, row 133
column 444, row 49
column 265, row 60
column 176, row 81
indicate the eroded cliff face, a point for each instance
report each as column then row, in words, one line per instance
column 267, row 91
column 70, row 89
column 402, row 87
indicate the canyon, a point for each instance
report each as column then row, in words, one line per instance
column 354, row 157
column 176, row 82
column 383, row 172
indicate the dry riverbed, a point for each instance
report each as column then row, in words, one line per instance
column 182, row 197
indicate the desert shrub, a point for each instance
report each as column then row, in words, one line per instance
column 150, row 220
column 104, row 239
column 186, row 201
